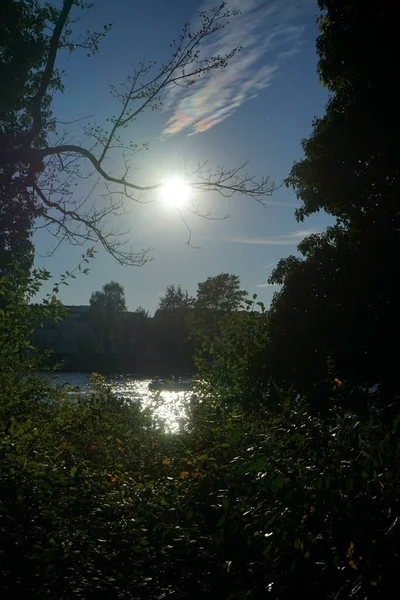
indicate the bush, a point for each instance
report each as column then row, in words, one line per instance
column 95, row 502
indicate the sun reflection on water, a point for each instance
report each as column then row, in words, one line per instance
column 168, row 408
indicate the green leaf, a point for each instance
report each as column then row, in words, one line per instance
column 259, row 463
column 235, row 435
column 221, row 521
column 226, row 502
column 73, row 471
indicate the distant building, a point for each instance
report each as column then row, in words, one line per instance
column 74, row 335
column 138, row 344
column 68, row 336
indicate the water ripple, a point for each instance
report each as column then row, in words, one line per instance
column 168, row 408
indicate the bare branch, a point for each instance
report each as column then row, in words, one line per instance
column 228, row 182
column 74, row 120
column 172, row 73
column 207, row 216
column 189, row 240
column 93, row 232
column 74, row 149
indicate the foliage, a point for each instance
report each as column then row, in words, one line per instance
column 336, row 310
column 95, row 502
column 232, row 363
column 106, row 313
column 170, row 333
column 220, row 293
column 175, row 299
column 217, row 300
column 350, row 162
column 65, row 500
column 17, row 323
column 19, row 318
column 332, row 317
column 23, row 50
column 294, row 505
column 110, row 301
column 142, row 312
column 15, row 230
column 66, row 463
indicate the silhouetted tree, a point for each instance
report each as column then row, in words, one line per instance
column 220, row 293
column 175, row 299
column 216, row 299
column 106, row 309
column 142, row 312
column 24, row 46
column 171, row 329
column 337, row 313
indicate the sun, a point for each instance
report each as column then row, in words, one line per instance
column 175, row 193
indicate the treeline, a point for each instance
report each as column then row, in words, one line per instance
column 135, row 342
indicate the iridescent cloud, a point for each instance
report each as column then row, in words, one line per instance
column 274, row 240
column 268, row 33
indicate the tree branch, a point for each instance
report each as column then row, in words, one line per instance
column 74, row 149
column 93, row 226
column 54, row 169
column 48, row 71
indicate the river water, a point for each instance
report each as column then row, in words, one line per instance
column 168, row 408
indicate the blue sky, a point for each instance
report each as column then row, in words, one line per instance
column 258, row 109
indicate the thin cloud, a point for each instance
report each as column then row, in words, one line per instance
column 283, row 204
column 292, row 52
column 274, row 240
column 267, row 33
column 270, row 265
column 265, row 285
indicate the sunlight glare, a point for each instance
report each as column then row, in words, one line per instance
column 175, row 193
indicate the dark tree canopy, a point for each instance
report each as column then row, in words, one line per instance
column 24, row 46
column 337, row 311
column 351, row 161
column 110, row 300
column 142, row 312
column 171, row 329
column 15, row 231
column 106, row 314
column 220, row 293
column 175, row 299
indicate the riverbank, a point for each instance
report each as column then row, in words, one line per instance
column 121, row 365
